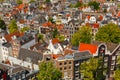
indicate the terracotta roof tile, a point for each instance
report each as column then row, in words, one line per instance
column 8, row 37
column 118, row 14
column 96, row 25
column 55, row 40
column 61, row 26
column 88, row 47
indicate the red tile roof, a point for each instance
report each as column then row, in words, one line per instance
column 55, row 56
column 59, row 27
column 8, row 37
column 90, row 47
column 118, row 14
column 96, row 25
column 101, row 17
column 55, row 40
column 47, row 24
column 88, row 17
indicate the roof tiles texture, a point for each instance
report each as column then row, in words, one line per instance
column 88, row 47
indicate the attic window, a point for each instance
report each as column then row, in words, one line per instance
column 48, row 58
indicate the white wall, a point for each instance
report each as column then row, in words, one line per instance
column 22, row 63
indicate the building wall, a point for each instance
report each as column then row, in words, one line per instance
column 66, row 67
column 23, row 63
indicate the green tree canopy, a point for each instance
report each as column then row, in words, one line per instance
column 47, row 1
column 83, row 35
column 2, row 0
column 12, row 26
column 19, row 2
column 48, row 72
column 89, row 69
column 117, row 74
column 55, row 33
column 25, row 29
column 117, row 71
column 94, row 5
column 32, row 1
column 109, row 33
column 78, row 4
column 51, row 20
column 2, row 25
column 40, row 37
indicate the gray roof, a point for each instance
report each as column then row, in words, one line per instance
column 7, row 45
column 26, row 38
column 13, row 69
column 82, row 55
column 34, row 57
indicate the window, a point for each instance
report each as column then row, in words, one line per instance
column 23, row 76
column 61, row 68
column 60, row 63
column 70, row 62
column 65, row 68
column 65, row 63
column 70, row 67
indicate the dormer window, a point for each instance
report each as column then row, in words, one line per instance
column 48, row 58
column 101, row 51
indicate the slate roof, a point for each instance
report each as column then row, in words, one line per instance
column 39, row 46
column 15, row 68
column 33, row 56
column 82, row 55
column 26, row 38
column 7, row 44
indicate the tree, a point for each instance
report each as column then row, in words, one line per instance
column 78, row 4
column 94, row 5
column 83, row 35
column 61, row 38
column 12, row 26
column 51, row 20
column 89, row 69
column 117, row 74
column 1, row 0
column 40, row 37
column 19, row 2
column 32, row 1
column 2, row 25
column 25, row 29
column 55, row 33
column 117, row 71
column 109, row 33
column 48, row 72
column 47, row 1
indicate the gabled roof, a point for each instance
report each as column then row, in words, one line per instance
column 110, row 46
column 39, row 46
column 88, row 47
column 55, row 40
column 33, row 56
column 8, row 37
